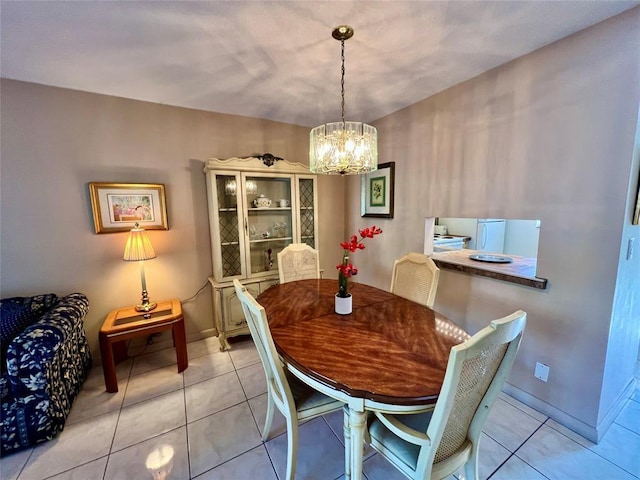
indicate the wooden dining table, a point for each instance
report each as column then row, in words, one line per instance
column 389, row 355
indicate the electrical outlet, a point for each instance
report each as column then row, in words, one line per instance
column 541, row 372
column 630, row 248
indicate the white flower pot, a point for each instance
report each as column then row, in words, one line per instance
column 343, row 305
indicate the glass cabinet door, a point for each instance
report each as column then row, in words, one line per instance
column 255, row 212
column 227, row 191
column 308, row 220
column 269, row 220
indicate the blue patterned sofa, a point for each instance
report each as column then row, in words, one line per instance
column 43, row 366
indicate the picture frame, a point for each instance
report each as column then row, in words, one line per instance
column 636, row 213
column 117, row 207
column 377, row 191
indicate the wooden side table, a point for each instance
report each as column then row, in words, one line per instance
column 127, row 323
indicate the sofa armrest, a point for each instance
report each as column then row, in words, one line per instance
column 31, row 353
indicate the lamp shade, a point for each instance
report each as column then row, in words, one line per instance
column 345, row 148
column 138, row 246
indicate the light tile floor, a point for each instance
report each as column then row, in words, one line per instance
column 213, row 412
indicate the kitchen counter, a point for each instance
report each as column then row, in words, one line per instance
column 521, row 271
column 465, row 238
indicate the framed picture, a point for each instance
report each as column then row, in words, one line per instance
column 636, row 213
column 377, row 191
column 117, row 207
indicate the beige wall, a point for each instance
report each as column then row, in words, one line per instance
column 548, row 136
column 56, row 141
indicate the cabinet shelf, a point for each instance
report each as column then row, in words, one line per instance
column 225, row 244
column 227, row 210
column 270, row 239
column 269, row 209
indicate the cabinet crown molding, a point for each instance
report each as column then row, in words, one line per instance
column 254, row 164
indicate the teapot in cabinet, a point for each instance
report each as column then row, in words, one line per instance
column 262, row 202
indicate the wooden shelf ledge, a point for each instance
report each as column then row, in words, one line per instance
column 521, row 271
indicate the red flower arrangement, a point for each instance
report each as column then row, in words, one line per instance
column 346, row 269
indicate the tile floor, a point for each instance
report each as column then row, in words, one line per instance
column 213, row 412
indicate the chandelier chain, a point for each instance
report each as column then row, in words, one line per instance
column 342, row 81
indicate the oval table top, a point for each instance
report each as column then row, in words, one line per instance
column 389, row 349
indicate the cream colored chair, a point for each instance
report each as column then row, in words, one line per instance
column 295, row 400
column 435, row 444
column 415, row 276
column 298, row 261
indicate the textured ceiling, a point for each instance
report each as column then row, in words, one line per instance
column 277, row 60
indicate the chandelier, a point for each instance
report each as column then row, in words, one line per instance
column 344, row 148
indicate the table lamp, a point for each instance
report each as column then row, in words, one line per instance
column 138, row 249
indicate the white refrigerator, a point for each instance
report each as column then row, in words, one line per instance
column 487, row 234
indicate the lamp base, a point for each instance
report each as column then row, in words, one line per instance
column 146, row 307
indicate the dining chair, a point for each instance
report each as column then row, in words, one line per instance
column 295, row 400
column 437, row 443
column 415, row 277
column 298, row 261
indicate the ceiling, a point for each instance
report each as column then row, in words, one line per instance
column 277, row 59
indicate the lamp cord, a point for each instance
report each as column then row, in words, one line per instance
column 197, row 293
column 150, row 337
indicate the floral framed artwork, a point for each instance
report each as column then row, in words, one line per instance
column 117, row 207
column 377, row 191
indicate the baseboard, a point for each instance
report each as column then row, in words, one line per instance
column 572, row 423
column 594, row 434
column 201, row 334
column 159, row 341
column 615, row 409
column 165, row 339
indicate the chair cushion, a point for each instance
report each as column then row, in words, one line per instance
column 404, row 451
column 17, row 313
column 306, row 398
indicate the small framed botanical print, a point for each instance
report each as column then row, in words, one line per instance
column 377, row 191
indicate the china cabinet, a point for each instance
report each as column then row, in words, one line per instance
column 256, row 208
